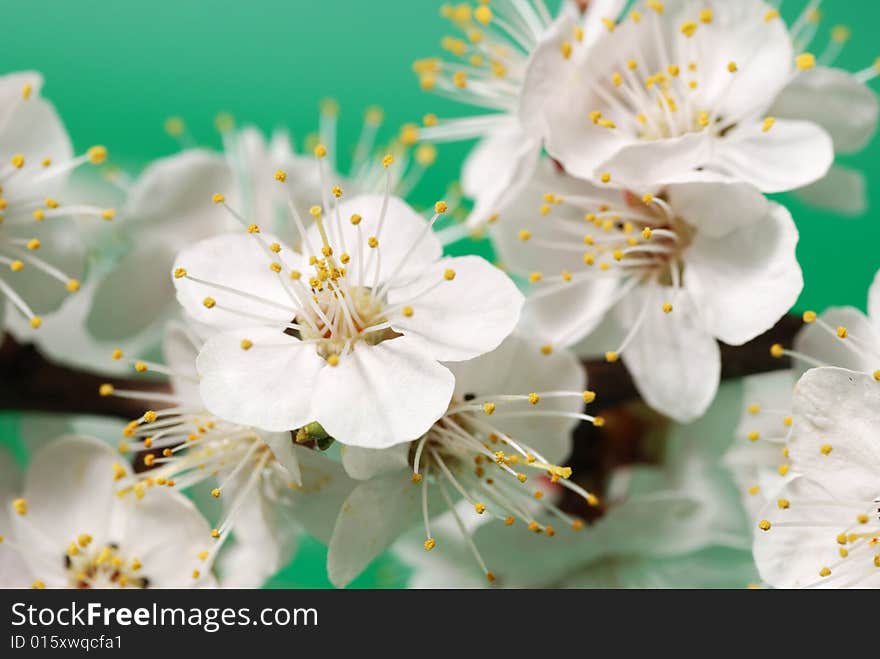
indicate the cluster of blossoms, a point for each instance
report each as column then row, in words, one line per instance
column 327, row 369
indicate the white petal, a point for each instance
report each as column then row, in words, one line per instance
column 643, row 163
column 118, row 312
column 166, row 532
column 371, row 519
column 402, row 239
column 743, row 283
column 496, row 169
column 382, row 395
column 365, row 463
column 792, row 556
column 70, row 490
column 837, row 408
column 835, row 100
column 841, row 190
column 284, row 450
column 790, row 155
column 174, row 193
column 827, row 348
column 180, row 348
column 315, row 504
column 240, row 262
column 518, row 367
column 461, row 318
column 874, row 300
column 716, row 204
column 270, row 386
column 674, row 361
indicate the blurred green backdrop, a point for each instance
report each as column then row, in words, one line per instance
column 116, row 70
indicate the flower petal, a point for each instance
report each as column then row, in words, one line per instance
column 180, row 348
column 834, row 436
column 641, row 164
column 404, row 250
column 820, row 344
column 790, row 155
column 239, row 262
column 716, row 204
column 841, row 190
column 874, row 300
column 463, row 317
column 382, row 395
column 518, row 367
column 836, row 101
column 674, row 361
column 366, row 463
column 269, row 386
column 792, row 556
column 375, row 514
column 284, row 450
column 743, row 283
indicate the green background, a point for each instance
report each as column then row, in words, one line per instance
column 117, row 69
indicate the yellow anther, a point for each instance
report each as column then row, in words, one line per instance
column 565, row 48
column 787, row 421
column 592, row 500
column 26, row 90
column 689, row 28
column 416, row 478
column 667, row 307
column 440, row 207
column 97, row 154
column 805, row 61
column 606, row 123
column 862, row 519
column 483, row 14
column 150, row 416
column 246, row 344
column 480, row 508
column 218, row 198
column 408, row 312
column 39, row 215
column 534, row 527
column 783, row 504
column 344, row 258
column 754, row 489
column 280, row 175
column 605, row 178
column 36, row 322
column 17, row 161
column 535, row 277
column 754, row 436
column 754, row 408
column 764, row 525
column 524, row 234
column 409, row 134
column 877, row 375
column 824, row 572
column 546, row 349
column 840, row 33
column 449, row 274
column 842, row 332
column 826, row 449
column 150, row 459
column 534, row 398
column 253, row 228
column 209, row 303
column 611, row 356
column 490, row 576
column 771, row 15
column 333, row 360
column 179, row 273
column 522, row 478
column 769, row 122
column 215, row 533
column 426, row 155
column 776, row 350
column 732, row 67
column 320, row 151
column 140, row 367
column 566, row 275
column 174, row 126
column 106, row 390
column 215, row 493
column 430, row 543
column 373, row 242
column 20, row 506
column 609, row 24
column 196, row 574
column 599, row 421
column 706, row 15
column 72, row 285
column 550, row 531
column 809, row 316
column 38, row 585
column 355, row 219
column 589, row 396
column 509, row 520
column 16, row 265
column 488, row 408
column 783, row 469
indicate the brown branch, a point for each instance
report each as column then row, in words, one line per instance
column 30, row 382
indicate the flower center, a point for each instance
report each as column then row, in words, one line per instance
column 90, row 566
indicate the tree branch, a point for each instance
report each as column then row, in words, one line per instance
column 30, row 382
